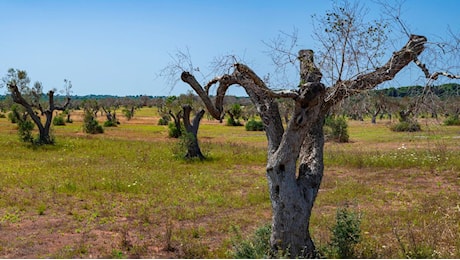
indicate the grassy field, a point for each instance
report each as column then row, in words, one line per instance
column 125, row 194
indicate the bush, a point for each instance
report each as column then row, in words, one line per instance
column 90, row 124
column 346, row 233
column 233, row 122
column 164, row 120
column 12, row 117
column 452, row 120
column 110, row 123
column 25, row 131
column 336, row 128
column 174, row 132
column 58, row 120
column 255, row 247
column 406, row 126
column 253, row 125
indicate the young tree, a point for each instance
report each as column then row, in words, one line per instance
column 17, row 83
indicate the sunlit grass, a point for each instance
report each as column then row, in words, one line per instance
column 130, row 179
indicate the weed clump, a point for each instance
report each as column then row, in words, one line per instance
column 255, row 247
column 253, row 125
column 58, row 120
column 90, row 124
column 406, row 126
column 336, row 128
column 452, row 120
column 346, row 233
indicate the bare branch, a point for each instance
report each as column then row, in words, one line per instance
column 397, row 62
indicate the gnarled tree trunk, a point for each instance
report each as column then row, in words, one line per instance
column 193, row 148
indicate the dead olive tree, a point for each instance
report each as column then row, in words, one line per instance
column 295, row 154
column 17, row 83
column 353, row 59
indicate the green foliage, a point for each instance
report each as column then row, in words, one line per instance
column 406, row 126
column 253, row 125
column 336, row 128
column 128, row 113
column 346, row 233
column 235, row 111
column 58, row 120
column 452, row 120
column 110, row 123
column 232, row 122
column 164, row 120
column 13, row 119
column 174, row 132
column 255, row 247
column 25, row 128
column 90, row 124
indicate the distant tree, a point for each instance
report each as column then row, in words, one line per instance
column 31, row 98
column 191, row 128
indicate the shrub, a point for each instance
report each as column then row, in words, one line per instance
column 13, row 119
column 90, row 124
column 452, row 120
column 346, row 233
column 233, row 122
column 253, row 125
column 174, row 132
column 406, row 126
column 110, row 123
column 336, row 128
column 164, row 120
column 25, row 128
column 257, row 246
column 58, row 120
column 129, row 113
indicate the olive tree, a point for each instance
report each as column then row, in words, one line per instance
column 30, row 98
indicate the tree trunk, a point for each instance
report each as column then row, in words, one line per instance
column 293, row 194
column 193, row 148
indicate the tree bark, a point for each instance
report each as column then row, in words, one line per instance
column 193, row 148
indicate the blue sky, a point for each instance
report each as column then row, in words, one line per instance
column 119, row 47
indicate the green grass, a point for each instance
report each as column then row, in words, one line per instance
column 126, row 186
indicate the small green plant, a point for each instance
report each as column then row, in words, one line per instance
column 110, row 123
column 58, row 120
column 452, row 120
column 336, row 128
column 41, row 209
column 164, row 120
column 346, row 233
column 253, row 125
column 256, row 246
column 128, row 113
column 406, row 126
column 90, row 124
column 25, row 128
column 174, row 132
